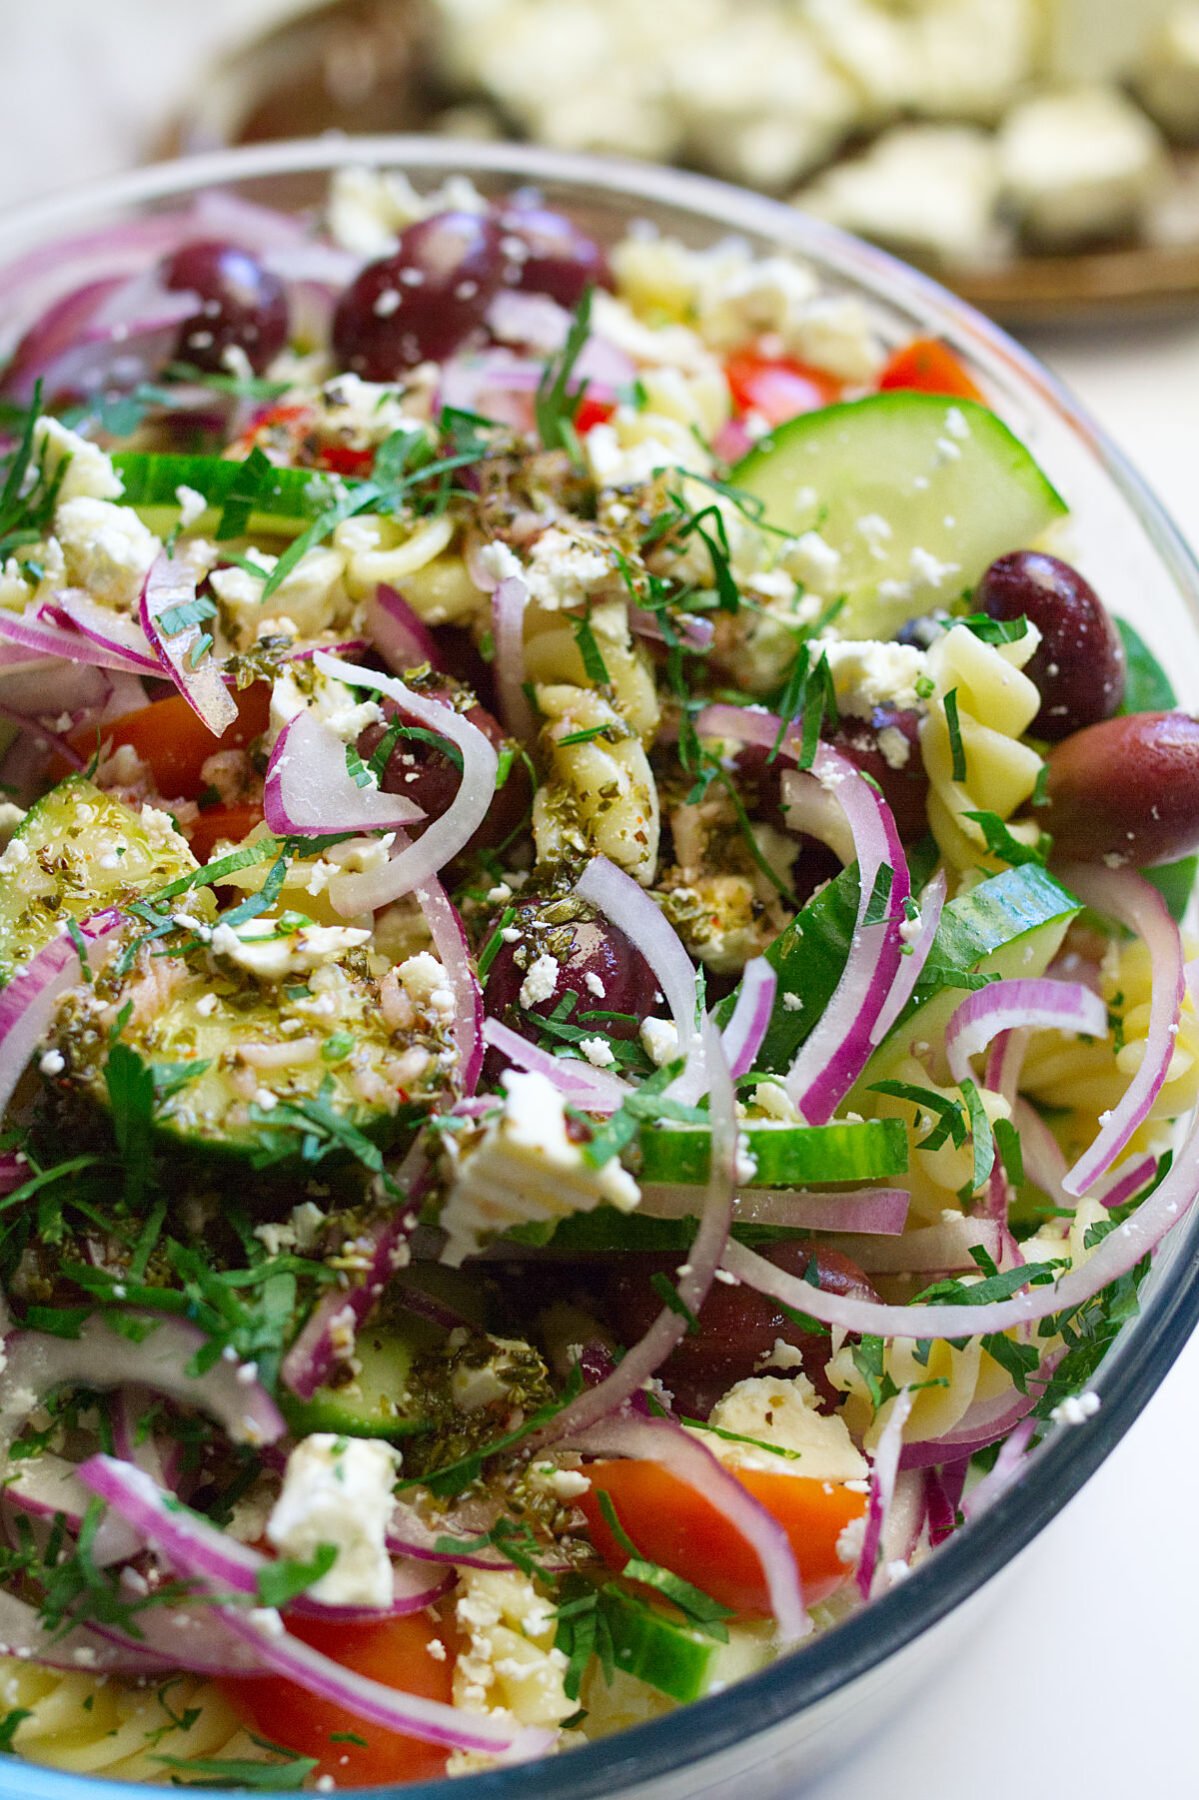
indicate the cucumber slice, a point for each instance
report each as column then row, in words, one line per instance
column 378, row 1402
column 77, row 851
column 676, row 1659
column 787, row 1156
column 946, row 478
column 1012, row 911
column 1011, row 925
column 285, row 509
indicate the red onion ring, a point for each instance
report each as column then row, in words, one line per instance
column 1129, row 899
column 308, row 784
column 30, row 1000
column 913, row 959
column 412, row 865
column 750, row 1018
column 591, row 1090
column 882, row 1490
column 1013, row 1005
column 873, row 1212
column 398, row 633
column 47, row 637
column 171, row 584
column 508, row 604
column 80, row 1651
column 112, row 631
column 691, row 1462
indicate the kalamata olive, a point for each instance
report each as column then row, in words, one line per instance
column 1126, row 789
column 591, row 959
column 425, row 774
column 550, row 255
column 887, row 748
column 243, row 305
column 1079, row 664
column 424, row 300
column 738, row 1326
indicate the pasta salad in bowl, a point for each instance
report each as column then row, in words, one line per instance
column 595, row 1037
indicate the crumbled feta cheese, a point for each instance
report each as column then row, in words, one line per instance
column 782, row 1410
column 255, row 947
column 540, row 982
column 927, row 190
column 814, row 562
column 659, row 1040
column 496, row 560
column 88, row 474
column 564, row 570
column 599, row 1052
column 107, row 549
column 53, row 1062
column 1079, row 165
column 1075, row 1409
column 867, row 674
column 338, row 1490
column 524, row 1166
column 192, row 505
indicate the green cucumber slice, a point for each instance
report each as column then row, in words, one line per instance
column 1007, row 910
column 285, row 509
column 676, row 1659
column 377, row 1403
column 1011, row 925
column 77, row 851
column 787, row 1156
column 946, row 478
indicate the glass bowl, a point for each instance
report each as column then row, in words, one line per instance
column 769, row 1733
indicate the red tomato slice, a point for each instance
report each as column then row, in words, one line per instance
column 393, row 1651
column 927, row 366
column 592, row 412
column 777, row 388
column 673, row 1525
column 176, row 743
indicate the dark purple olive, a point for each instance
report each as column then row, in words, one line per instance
column 244, row 306
column 426, row 775
column 887, row 748
column 738, row 1327
column 1079, row 664
column 592, row 959
column 424, row 300
column 550, row 255
column 1125, row 790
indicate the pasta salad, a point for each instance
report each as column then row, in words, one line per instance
column 593, row 1033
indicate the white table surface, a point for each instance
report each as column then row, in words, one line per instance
column 1082, row 1679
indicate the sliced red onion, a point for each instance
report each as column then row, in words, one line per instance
column 747, row 1027
column 691, row 1462
column 1131, row 901
column 453, row 950
column 309, row 789
column 870, row 1576
column 48, row 637
column 985, row 1422
column 1011, row 1005
column 411, row 865
column 112, row 631
column 398, row 633
column 1005, row 1063
column 1126, row 1181
column 508, row 605
column 79, row 1651
column 47, row 690
column 182, row 1635
column 696, row 633
column 168, row 585
column 410, row 1536
column 833, row 1057
column 930, row 1249
column 591, row 1090
column 14, row 1171
column 497, row 384
column 1009, row 1465
column 732, row 441
column 30, row 1000
column 878, row 1211
column 57, row 330
column 533, row 320
column 914, row 957
column 109, row 333
column 943, row 1496
column 632, row 911
column 45, row 1485
column 314, row 1352
column 200, row 1552
column 1119, row 1252
column 703, row 1259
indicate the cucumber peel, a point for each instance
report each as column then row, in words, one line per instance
column 940, row 479
column 377, row 1403
column 284, row 508
column 786, row 1156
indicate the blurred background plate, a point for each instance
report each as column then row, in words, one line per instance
column 1019, row 149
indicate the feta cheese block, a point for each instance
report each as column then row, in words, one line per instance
column 928, row 191
column 1078, row 166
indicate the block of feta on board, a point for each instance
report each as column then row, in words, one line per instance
column 1078, row 166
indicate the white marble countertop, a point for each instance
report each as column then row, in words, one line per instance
column 1083, row 1681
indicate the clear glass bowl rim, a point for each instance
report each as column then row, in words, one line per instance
column 965, row 1564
